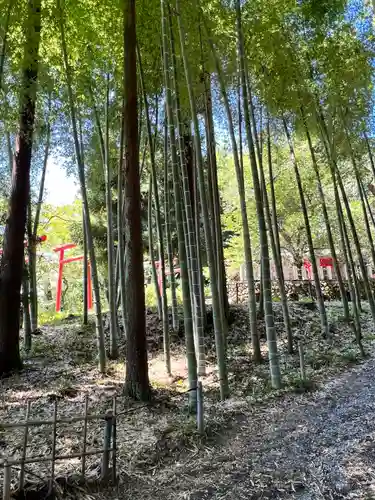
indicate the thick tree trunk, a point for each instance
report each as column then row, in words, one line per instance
column 137, row 381
column 12, row 262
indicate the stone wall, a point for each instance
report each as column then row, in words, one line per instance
column 295, row 290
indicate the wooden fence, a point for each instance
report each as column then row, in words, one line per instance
column 107, row 452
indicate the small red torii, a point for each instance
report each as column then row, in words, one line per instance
column 167, row 273
column 61, row 250
column 323, row 262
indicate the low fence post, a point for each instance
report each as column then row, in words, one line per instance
column 114, row 440
column 83, row 465
column 107, row 444
column 6, row 481
column 24, row 448
column 54, row 436
column 200, row 409
column 110, row 446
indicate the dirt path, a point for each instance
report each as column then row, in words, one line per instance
column 308, row 447
column 304, row 447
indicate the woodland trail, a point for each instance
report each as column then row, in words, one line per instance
column 313, row 446
column 261, row 443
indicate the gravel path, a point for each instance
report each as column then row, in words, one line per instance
column 320, row 445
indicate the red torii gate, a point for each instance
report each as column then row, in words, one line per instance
column 61, row 250
column 167, row 273
column 323, row 262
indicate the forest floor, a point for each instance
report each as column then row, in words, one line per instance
column 310, row 440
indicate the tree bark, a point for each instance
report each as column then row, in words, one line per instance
column 137, row 382
column 12, row 262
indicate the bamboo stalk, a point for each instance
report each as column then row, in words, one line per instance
column 114, row 439
column 83, row 467
column 53, row 447
column 302, row 361
column 24, row 448
column 107, row 444
column 200, row 410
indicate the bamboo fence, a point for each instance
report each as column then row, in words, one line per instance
column 107, row 453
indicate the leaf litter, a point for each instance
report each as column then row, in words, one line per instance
column 312, row 439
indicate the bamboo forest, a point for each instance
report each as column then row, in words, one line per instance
column 187, row 249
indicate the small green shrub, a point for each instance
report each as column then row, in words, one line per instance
column 52, row 317
column 150, row 295
column 350, row 357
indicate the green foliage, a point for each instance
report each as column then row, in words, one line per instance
column 52, row 317
column 150, row 296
